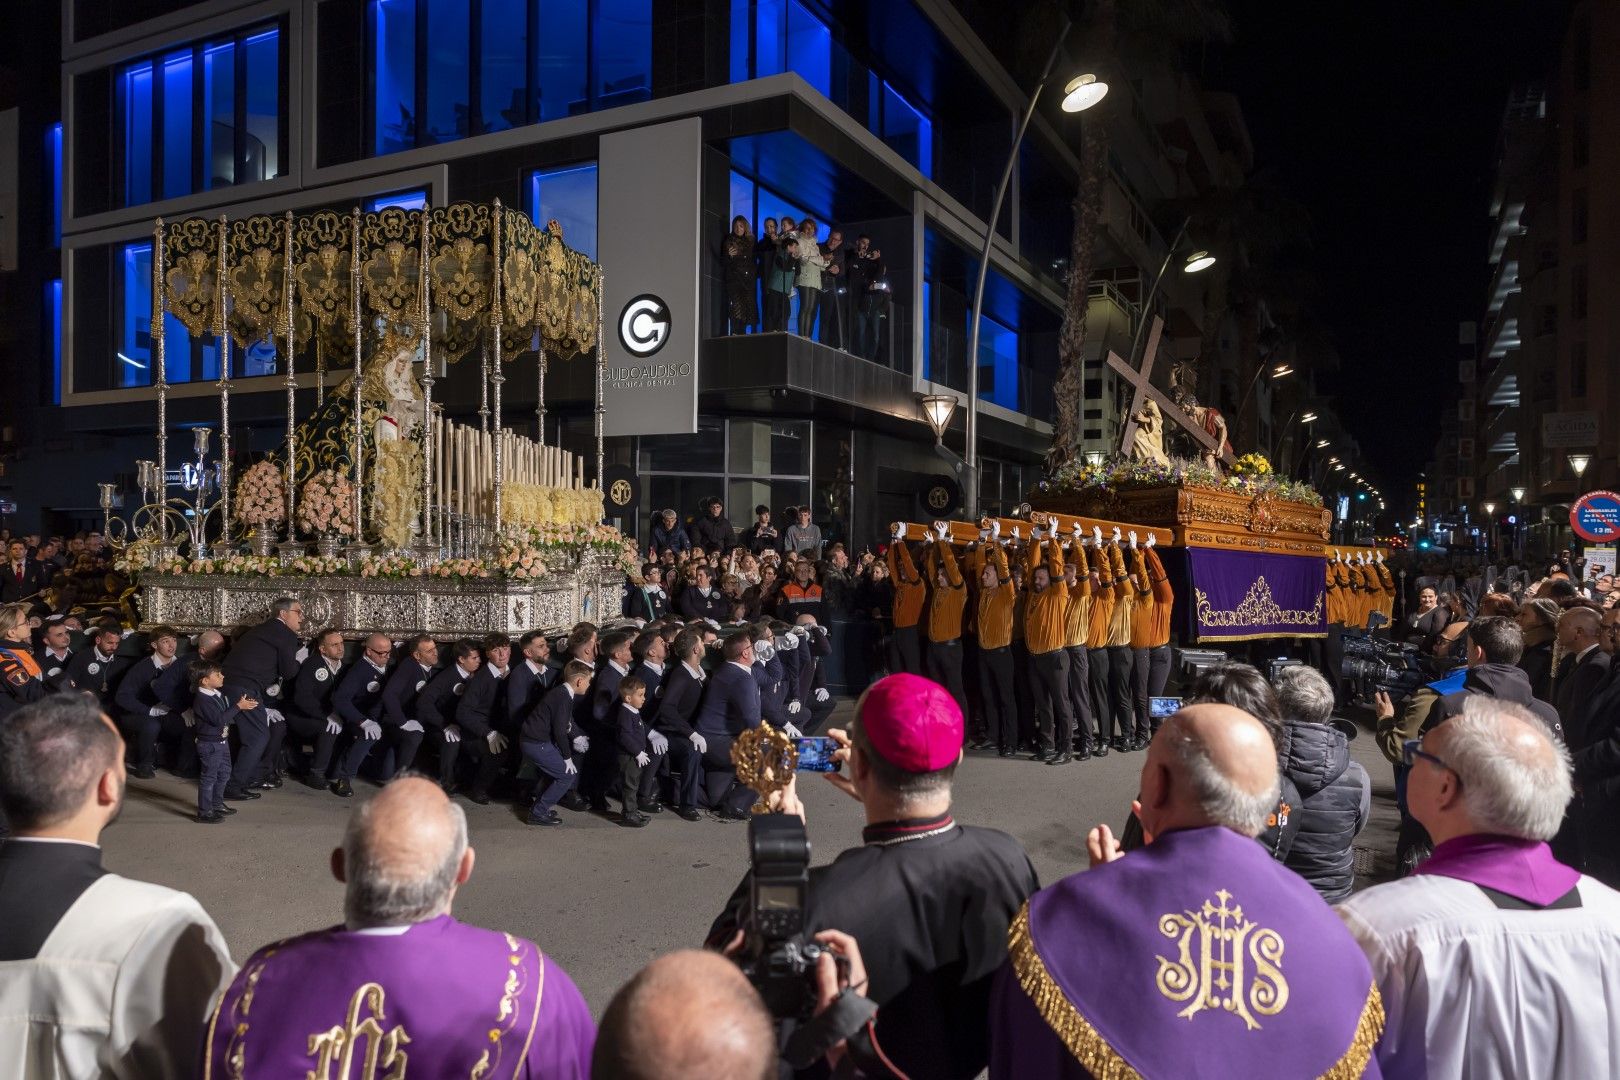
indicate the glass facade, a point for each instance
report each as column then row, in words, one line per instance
column 568, row 196
column 442, row 70
column 134, row 361
column 757, row 202
column 53, row 333
column 203, row 116
column 53, row 182
column 414, row 199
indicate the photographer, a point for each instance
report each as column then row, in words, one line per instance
column 869, row 295
column 930, row 900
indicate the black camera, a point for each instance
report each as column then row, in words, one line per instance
column 1372, row 664
column 776, row 957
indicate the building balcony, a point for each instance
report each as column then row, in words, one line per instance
column 1502, row 382
column 1503, row 333
column 1500, row 435
column 1505, row 281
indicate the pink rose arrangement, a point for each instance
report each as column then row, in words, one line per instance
column 327, row 505
column 261, row 499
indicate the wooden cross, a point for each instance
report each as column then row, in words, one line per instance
column 1143, row 389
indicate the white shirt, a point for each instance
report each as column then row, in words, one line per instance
column 121, row 988
column 697, row 672
column 1471, row 990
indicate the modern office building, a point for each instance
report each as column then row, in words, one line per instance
column 643, row 127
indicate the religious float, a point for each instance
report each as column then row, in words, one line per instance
column 418, row 524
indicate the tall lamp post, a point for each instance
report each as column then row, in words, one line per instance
column 1278, row 371
column 1081, row 93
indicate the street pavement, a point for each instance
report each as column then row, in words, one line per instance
column 601, row 899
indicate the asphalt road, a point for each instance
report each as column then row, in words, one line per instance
column 601, row 899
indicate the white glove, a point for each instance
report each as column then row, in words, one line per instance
column 899, row 530
column 1035, row 534
column 1151, row 538
column 793, row 708
column 333, row 726
column 943, row 528
column 496, row 741
column 371, row 729
column 158, row 710
column 995, row 528
column 792, row 732
column 821, row 694
column 699, row 742
column 302, row 654
column 1017, row 533
column 1116, row 536
column 452, row 733
column 1380, row 558
column 569, row 767
column 582, row 744
column 1096, row 536
column 643, row 760
column 189, row 718
column 410, row 725
column 274, row 716
column 928, row 537
column 1133, row 539
column 658, row 742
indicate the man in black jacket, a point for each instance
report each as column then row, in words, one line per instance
column 142, row 715
column 263, row 660
column 730, row 707
column 713, row 529
column 530, row 678
column 310, row 713
column 703, row 600
column 1597, row 766
column 97, row 668
column 437, row 708
column 1582, row 669
column 55, row 651
column 682, row 691
column 481, row 715
column 405, row 731
column 647, row 601
column 23, row 579
column 549, row 741
column 807, row 683
column 761, row 536
column 358, row 703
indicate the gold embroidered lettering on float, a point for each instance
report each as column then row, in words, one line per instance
column 338, row 1045
column 1224, row 961
column 1257, row 609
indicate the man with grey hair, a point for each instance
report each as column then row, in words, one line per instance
column 401, row 979
column 1335, row 794
column 1493, row 958
column 1195, row 948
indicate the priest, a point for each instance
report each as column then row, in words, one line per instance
column 1196, row 955
column 401, row 979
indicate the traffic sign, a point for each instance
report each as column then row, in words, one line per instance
column 1596, row 517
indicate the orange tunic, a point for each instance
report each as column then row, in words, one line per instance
column 1045, row 611
column 910, row 591
column 1119, row 622
column 995, row 617
column 1336, row 592
column 1102, row 602
column 1164, row 600
column 1077, row 619
column 945, row 612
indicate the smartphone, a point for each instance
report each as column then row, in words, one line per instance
column 1161, row 707
column 816, row 754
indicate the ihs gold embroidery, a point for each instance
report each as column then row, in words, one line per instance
column 1218, row 949
column 383, row 1048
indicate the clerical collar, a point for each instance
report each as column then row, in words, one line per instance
column 889, row 833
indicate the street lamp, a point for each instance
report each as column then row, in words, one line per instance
column 938, row 410
column 1579, row 462
column 1080, row 94
column 1198, row 260
column 1517, row 493
column 1490, row 508
column 1321, row 444
column 1278, row 372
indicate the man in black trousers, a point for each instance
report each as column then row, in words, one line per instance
column 310, row 713
column 438, row 708
column 682, row 688
column 529, row 679
column 481, row 715
column 549, row 740
column 405, row 731
column 259, row 663
column 730, row 707
column 358, row 703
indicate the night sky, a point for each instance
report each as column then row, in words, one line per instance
column 1381, row 118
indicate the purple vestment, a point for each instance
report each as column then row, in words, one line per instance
column 441, row 999
column 1524, row 869
column 1195, row 956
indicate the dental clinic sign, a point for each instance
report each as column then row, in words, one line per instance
column 649, row 246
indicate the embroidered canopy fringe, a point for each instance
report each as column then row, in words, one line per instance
column 1102, row 1061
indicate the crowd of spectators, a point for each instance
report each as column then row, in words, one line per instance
column 60, row 575
column 843, row 286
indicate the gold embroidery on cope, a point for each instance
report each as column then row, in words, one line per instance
column 1217, row 945
column 383, row 1048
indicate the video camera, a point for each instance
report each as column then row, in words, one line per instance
column 1372, row 664
column 776, row 957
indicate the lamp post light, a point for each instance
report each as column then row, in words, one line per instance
column 938, row 410
column 1517, row 493
column 1278, row 371
column 1080, row 94
column 1579, row 462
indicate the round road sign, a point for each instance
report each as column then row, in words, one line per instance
column 1595, row 517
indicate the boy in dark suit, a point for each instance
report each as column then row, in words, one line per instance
column 214, row 716
column 638, row 772
column 549, row 740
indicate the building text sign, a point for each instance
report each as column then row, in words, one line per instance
column 1570, row 430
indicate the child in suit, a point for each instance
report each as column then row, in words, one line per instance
column 214, row 716
column 630, row 729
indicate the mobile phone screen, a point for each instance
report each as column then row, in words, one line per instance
column 1161, row 707
column 816, row 755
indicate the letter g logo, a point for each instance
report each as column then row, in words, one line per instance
column 644, row 325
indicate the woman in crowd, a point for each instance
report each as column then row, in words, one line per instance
column 1448, row 643
column 741, row 278
column 1539, row 621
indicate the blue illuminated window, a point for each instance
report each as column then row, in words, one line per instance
column 503, row 61
column 623, row 52
column 786, row 37
column 907, row 131
column 770, row 37
column 449, row 108
column 393, row 65
column 53, row 162
column 202, row 117
column 998, row 363
column 53, row 327
column 185, row 359
column 415, row 199
column 564, row 60
column 567, row 195
column 809, row 48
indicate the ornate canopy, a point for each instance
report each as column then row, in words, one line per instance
column 485, row 265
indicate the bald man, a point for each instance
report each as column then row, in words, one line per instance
column 357, row 703
column 1493, row 958
column 1131, row 966
column 400, row 979
column 1582, row 669
column 691, row 1014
